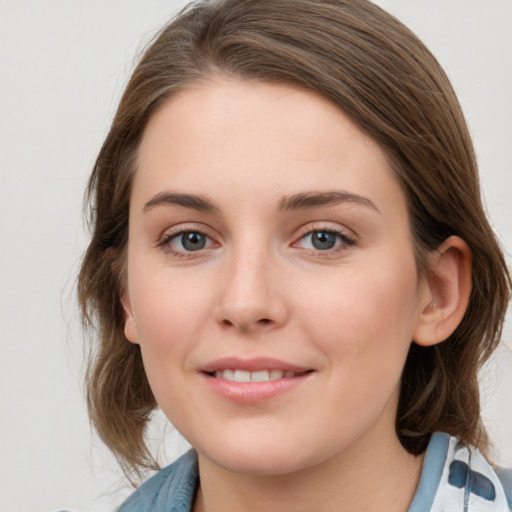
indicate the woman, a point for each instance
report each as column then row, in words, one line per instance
column 290, row 257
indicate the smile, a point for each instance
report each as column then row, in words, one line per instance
column 253, row 381
column 251, row 392
column 234, row 375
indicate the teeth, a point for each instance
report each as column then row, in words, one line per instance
column 226, row 374
column 257, row 376
column 242, row 376
column 276, row 374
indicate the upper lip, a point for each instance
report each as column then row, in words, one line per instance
column 252, row 365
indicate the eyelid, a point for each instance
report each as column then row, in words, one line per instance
column 163, row 241
column 348, row 237
column 329, row 226
column 182, row 227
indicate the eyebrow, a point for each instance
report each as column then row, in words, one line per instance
column 193, row 201
column 300, row 201
column 305, row 200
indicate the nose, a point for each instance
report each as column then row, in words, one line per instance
column 252, row 297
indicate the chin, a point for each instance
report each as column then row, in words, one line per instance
column 259, row 464
column 264, row 457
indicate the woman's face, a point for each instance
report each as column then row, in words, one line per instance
column 271, row 280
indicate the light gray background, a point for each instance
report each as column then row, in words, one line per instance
column 63, row 64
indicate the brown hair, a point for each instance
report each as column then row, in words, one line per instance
column 390, row 85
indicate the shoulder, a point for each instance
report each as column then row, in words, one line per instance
column 172, row 489
column 455, row 475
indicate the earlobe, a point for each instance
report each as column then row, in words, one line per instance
column 447, row 292
column 130, row 327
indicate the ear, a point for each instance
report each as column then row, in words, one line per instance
column 447, row 294
column 130, row 327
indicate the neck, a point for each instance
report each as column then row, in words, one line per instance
column 381, row 476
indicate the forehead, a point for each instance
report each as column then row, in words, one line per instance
column 233, row 136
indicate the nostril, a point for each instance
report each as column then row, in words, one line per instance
column 261, row 321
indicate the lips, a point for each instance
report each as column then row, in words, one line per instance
column 252, row 365
column 257, row 376
column 253, row 380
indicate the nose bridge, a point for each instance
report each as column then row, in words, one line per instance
column 249, row 297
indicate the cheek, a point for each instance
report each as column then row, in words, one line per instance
column 168, row 320
column 366, row 315
column 169, row 311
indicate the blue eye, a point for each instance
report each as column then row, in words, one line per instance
column 188, row 241
column 324, row 240
column 193, row 241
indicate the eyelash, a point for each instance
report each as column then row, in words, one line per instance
column 165, row 244
column 343, row 241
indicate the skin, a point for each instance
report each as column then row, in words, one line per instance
column 260, row 288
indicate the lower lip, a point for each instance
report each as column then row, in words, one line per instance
column 253, row 392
